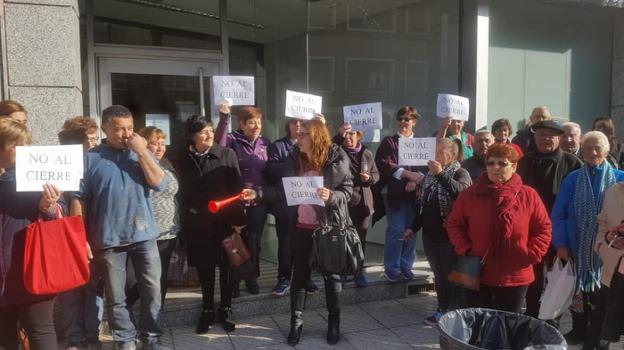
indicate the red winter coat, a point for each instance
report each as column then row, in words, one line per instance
column 475, row 225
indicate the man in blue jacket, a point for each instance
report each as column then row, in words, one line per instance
column 114, row 196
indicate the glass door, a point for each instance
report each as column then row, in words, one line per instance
column 163, row 93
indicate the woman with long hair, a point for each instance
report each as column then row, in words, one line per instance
column 315, row 155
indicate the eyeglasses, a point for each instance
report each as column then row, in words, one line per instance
column 403, row 119
column 93, row 139
column 500, row 163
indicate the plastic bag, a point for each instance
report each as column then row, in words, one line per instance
column 559, row 291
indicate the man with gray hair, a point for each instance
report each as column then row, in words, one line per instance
column 571, row 139
column 475, row 165
column 114, row 197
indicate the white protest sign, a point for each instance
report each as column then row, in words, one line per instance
column 303, row 106
column 35, row 166
column 417, row 150
column 238, row 90
column 302, row 190
column 456, row 107
column 363, row 117
column 161, row 121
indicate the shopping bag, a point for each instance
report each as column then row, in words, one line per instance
column 467, row 272
column 55, row 255
column 557, row 297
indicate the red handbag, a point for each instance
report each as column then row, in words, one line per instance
column 55, row 255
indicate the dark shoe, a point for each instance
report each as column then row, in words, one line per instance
column 225, row 313
column 94, row 344
column 296, row 327
column 236, row 289
column 252, row 287
column 574, row 337
column 408, row 275
column 205, row 322
column 282, row 287
column 333, row 328
column 311, row 287
column 392, row 276
column 361, row 281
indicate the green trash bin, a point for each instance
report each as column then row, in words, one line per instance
column 477, row 328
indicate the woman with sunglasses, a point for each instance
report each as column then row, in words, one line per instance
column 504, row 222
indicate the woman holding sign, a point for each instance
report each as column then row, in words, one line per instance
column 365, row 174
column 454, row 129
column 17, row 210
column 315, row 155
column 443, row 183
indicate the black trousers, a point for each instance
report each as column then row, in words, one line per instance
column 502, row 298
column 38, row 321
column 284, row 259
column 206, row 276
column 301, row 243
column 534, row 293
column 590, row 321
column 442, row 259
column 165, row 249
column 613, row 326
column 361, row 223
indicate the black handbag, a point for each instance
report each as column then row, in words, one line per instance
column 336, row 246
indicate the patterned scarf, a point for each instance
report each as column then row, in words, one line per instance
column 431, row 187
column 587, row 205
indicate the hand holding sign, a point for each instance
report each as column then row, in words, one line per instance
column 453, row 106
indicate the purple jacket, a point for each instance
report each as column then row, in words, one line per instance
column 252, row 156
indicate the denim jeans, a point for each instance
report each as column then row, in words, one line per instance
column 441, row 257
column 399, row 255
column 146, row 260
column 256, row 217
column 81, row 309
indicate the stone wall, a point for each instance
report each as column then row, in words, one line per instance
column 617, row 82
column 43, row 62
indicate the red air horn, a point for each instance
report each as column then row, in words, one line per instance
column 215, row 206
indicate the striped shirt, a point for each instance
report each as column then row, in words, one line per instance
column 166, row 209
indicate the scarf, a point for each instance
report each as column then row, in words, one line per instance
column 432, row 187
column 353, row 150
column 587, row 204
column 506, row 197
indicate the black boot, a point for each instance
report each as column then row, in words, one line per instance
column 333, row 327
column 235, row 289
column 579, row 328
column 205, row 322
column 296, row 327
column 225, row 313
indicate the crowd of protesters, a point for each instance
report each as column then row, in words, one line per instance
column 517, row 204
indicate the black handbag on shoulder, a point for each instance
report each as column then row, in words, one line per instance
column 336, row 246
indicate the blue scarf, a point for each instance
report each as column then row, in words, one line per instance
column 587, row 205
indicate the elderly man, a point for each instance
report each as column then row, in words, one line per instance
column 525, row 138
column 114, row 196
column 475, row 165
column 571, row 139
column 544, row 170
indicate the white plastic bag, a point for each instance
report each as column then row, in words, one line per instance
column 559, row 291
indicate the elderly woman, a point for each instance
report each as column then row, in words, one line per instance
column 454, row 129
column 574, row 219
column 610, row 248
column 251, row 148
column 166, row 213
column 17, row 210
column 208, row 172
column 443, row 183
column 504, row 223
column 365, row 174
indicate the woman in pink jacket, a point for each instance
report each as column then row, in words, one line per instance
column 505, row 223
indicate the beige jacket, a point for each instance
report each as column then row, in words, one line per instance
column 612, row 215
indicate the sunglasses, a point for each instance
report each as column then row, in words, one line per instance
column 500, row 163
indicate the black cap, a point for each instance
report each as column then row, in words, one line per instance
column 548, row 124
